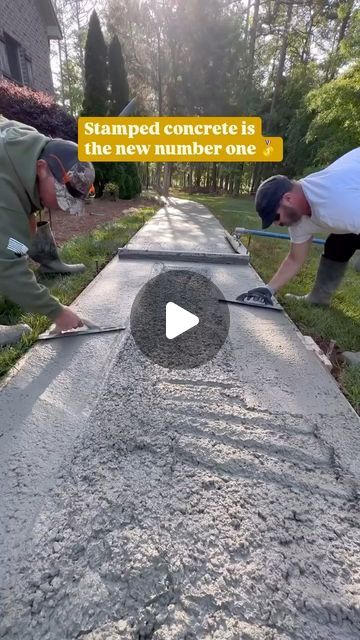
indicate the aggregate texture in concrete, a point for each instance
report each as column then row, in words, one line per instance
column 218, row 503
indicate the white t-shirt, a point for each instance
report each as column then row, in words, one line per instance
column 334, row 197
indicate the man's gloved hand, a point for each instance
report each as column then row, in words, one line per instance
column 263, row 295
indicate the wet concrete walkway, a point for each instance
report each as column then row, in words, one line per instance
column 219, row 503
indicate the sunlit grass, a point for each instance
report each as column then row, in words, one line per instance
column 94, row 250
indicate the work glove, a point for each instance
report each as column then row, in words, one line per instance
column 263, row 295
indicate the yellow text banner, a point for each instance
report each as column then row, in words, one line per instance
column 176, row 139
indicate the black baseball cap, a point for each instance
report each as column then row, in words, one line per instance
column 73, row 179
column 268, row 197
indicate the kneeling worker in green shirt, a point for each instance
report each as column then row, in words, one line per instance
column 35, row 172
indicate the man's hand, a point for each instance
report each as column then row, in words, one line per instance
column 259, row 294
column 66, row 321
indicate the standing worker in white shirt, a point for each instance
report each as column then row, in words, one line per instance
column 325, row 201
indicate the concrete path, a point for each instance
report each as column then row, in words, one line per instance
column 219, row 503
column 189, row 227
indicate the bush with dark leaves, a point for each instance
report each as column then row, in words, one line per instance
column 36, row 109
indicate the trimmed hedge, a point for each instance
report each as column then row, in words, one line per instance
column 40, row 110
column 36, row 109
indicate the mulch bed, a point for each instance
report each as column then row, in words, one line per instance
column 97, row 212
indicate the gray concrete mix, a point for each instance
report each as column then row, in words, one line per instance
column 188, row 227
column 218, row 503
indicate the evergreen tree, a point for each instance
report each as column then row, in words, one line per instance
column 96, row 71
column 126, row 187
column 119, row 87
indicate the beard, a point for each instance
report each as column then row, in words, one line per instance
column 292, row 215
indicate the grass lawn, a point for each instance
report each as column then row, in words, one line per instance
column 94, row 250
column 340, row 322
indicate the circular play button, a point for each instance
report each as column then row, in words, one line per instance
column 177, row 321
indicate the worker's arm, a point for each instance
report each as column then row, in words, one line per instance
column 287, row 270
column 17, row 280
column 291, row 266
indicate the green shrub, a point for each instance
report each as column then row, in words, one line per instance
column 127, row 188
column 111, row 191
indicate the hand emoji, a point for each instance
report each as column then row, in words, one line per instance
column 268, row 151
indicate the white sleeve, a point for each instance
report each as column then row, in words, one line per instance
column 298, row 232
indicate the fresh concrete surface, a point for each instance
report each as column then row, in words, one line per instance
column 189, row 227
column 182, row 256
column 219, row 503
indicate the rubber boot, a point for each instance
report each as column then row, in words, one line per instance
column 44, row 251
column 328, row 278
column 12, row 334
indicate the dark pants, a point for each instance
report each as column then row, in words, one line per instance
column 341, row 247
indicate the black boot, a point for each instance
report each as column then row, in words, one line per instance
column 328, row 278
column 44, row 251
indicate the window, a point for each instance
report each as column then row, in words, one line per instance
column 14, row 62
column 4, row 65
column 29, row 73
column 13, row 58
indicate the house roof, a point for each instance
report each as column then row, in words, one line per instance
column 48, row 14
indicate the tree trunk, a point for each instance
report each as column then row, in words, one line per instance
column 241, row 177
column 280, row 71
column 62, row 90
column 61, row 75
column 171, row 172
column 214, row 177
column 305, row 53
column 166, row 185
column 344, row 24
column 81, row 50
column 208, row 178
column 256, row 177
column 230, row 184
column 247, row 22
column 252, row 43
column 67, row 64
column 159, row 69
column 236, row 188
column 197, row 175
column 158, row 172
column 342, row 31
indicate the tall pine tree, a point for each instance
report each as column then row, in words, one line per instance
column 95, row 101
column 119, row 87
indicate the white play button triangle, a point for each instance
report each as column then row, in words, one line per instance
column 178, row 320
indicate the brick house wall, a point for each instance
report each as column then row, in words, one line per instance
column 23, row 21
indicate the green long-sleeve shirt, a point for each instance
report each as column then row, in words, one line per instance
column 20, row 148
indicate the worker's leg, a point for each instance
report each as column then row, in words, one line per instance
column 12, row 334
column 339, row 248
column 357, row 261
column 43, row 250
